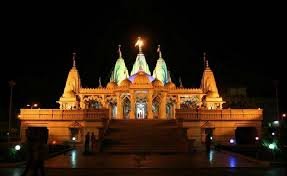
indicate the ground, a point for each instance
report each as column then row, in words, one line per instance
column 74, row 163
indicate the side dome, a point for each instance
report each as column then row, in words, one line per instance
column 111, row 85
column 212, row 94
column 125, row 83
column 157, row 83
column 170, row 85
column 141, row 78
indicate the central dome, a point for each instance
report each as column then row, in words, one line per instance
column 141, row 78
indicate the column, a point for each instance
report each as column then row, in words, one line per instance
column 178, row 102
column 119, row 107
column 82, row 104
column 104, row 104
column 173, row 111
column 162, row 106
column 132, row 112
column 149, row 105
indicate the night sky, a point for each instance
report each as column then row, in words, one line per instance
column 245, row 44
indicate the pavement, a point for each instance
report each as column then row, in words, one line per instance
column 74, row 162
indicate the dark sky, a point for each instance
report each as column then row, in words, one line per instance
column 245, row 43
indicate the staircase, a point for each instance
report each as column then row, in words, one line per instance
column 144, row 136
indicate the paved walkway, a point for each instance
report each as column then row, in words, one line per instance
column 75, row 159
column 74, row 163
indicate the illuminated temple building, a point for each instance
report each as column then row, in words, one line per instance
column 141, row 95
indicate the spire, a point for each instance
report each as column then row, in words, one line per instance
column 120, row 52
column 139, row 43
column 205, row 60
column 100, row 82
column 208, row 83
column 140, row 60
column 74, row 59
column 159, row 51
column 120, row 71
column 180, row 83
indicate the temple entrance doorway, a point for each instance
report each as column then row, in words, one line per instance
column 141, row 112
column 75, row 132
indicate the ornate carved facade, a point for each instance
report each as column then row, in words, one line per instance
column 141, row 95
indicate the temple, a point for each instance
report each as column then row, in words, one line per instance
column 142, row 94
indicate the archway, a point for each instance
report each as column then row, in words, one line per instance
column 155, row 107
column 126, row 108
column 141, row 109
column 169, row 110
column 94, row 104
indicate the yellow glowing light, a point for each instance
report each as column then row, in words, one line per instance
column 139, row 43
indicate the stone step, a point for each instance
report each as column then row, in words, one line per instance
column 142, row 136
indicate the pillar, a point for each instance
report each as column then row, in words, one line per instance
column 132, row 112
column 119, row 107
column 82, row 103
column 162, row 106
column 149, row 105
column 178, row 102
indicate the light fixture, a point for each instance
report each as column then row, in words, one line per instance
column 17, row 147
column 271, row 146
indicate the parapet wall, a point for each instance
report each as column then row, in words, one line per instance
column 222, row 114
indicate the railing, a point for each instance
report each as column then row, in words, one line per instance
column 58, row 114
column 223, row 114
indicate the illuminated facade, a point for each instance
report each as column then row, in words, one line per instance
column 142, row 94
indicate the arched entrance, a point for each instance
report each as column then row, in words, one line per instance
column 75, row 131
column 126, row 108
column 94, row 104
column 169, row 110
column 155, row 107
column 113, row 111
column 141, row 109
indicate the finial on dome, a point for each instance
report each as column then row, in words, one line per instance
column 100, row 82
column 205, row 60
column 120, row 52
column 74, row 59
column 139, row 43
column 159, row 51
column 180, row 83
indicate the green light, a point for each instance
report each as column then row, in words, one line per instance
column 271, row 146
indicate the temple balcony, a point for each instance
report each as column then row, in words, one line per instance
column 223, row 114
column 58, row 114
